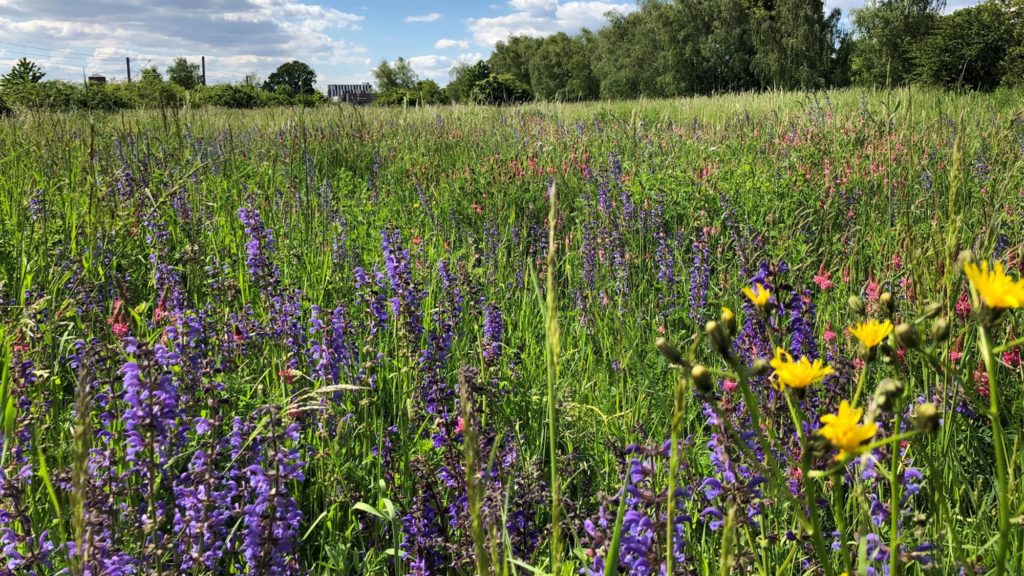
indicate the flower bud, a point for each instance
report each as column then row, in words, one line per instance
column 856, row 305
column 932, row 310
column 940, row 330
column 964, row 258
column 701, row 379
column 887, row 303
column 887, row 392
column 817, row 447
column 761, row 367
column 669, row 351
column 719, row 338
column 907, row 336
column 926, row 418
column 728, row 319
column 867, row 354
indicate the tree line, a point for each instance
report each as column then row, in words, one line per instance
column 669, row 48
column 25, row 87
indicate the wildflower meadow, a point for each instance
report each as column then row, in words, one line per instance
column 772, row 334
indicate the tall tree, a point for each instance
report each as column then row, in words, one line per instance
column 560, row 69
column 966, row 49
column 399, row 75
column 293, row 77
column 464, row 77
column 885, row 32
column 513, row 57
column 634, row 53
column 24, row 71
column 791, row 44
column 184, row 73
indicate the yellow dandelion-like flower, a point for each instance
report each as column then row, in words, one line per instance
column 844, row 430
column 872, row 332
column 996, row 288
column 800, row 373
column 759, row 295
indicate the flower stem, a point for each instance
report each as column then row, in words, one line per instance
column 1002, row 484
column 894, row 500
column 860, row 384
column 678, row 409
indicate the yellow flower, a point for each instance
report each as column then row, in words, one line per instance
column 872, row 332
column 996, row 288
column 844, row 431
column 759, row 295
column 799, row 374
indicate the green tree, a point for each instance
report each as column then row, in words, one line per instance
column 293, row 77
column 428, row 91
column 560, row 69
column 184, row 73
column 634, row 53
column 791, row 44
column 513, row 57
column 1013, row 64
column 885, row 32
column 151, row 74
column 715, row 47
column 399, row 75
column 24, row 71
column 966, row 49
column 464, row 77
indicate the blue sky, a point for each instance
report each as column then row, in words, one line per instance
column 342, row 40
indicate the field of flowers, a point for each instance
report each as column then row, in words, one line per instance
column 760, row 335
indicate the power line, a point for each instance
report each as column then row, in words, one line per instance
column 30, row 47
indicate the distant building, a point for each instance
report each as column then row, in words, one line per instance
column 97, row 79
column 351, row 93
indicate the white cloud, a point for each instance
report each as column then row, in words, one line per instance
column 448, row 43
column 236, row 36
column 542, row 18
column 438, row 68
column 534, row 6
column 432, row 17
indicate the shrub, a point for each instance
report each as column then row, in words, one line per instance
column 228, row 96
column 498, row 89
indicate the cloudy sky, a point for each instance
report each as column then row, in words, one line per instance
column 342, row 40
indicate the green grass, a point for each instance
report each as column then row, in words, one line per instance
column 870, row 187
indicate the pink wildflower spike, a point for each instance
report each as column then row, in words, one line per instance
column 824, row 280
column 963, row 306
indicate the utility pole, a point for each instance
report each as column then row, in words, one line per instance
column 128, row 65
column 203, row 60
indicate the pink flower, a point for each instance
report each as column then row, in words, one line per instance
column 824, row 280
column 897, row 261
column 728, row 385
column 1012, row 358
column 955, row 356
column 119, row 329
column 872, row 289
column 963, row 306
column 981, row 379
column 830, row 336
